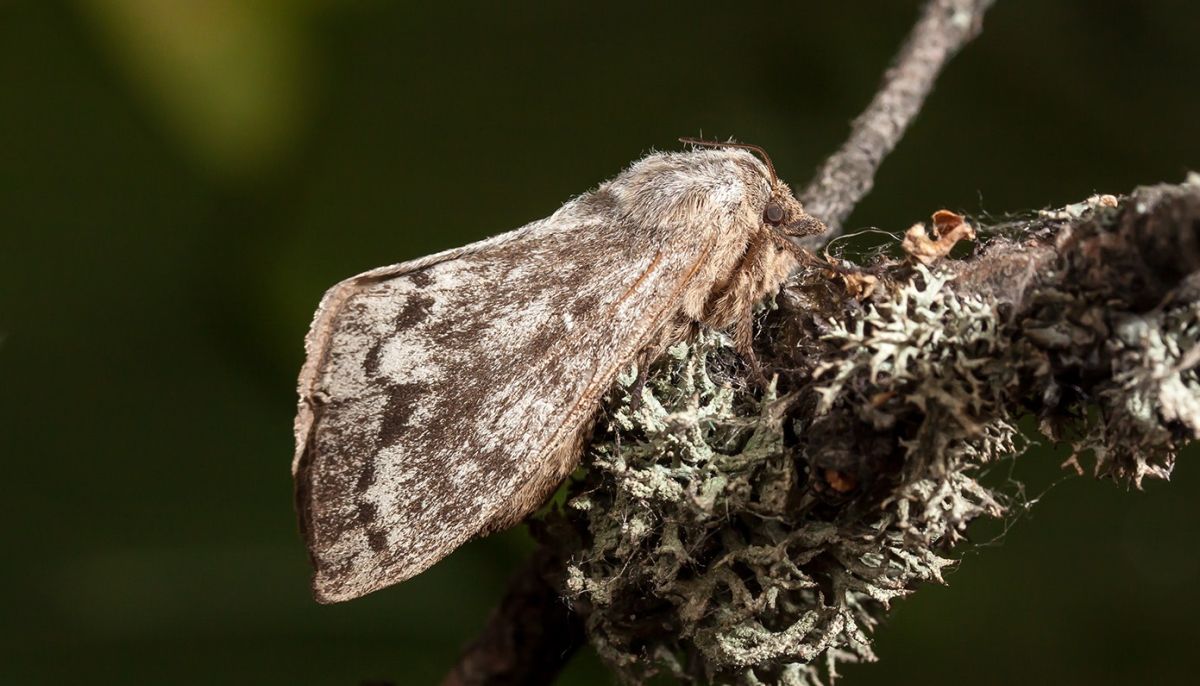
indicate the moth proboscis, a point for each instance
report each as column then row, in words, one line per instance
column 449, row 396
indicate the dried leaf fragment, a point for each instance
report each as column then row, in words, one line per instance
column 949, row 228
column 860, row 286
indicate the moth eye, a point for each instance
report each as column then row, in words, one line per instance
column 773, row 214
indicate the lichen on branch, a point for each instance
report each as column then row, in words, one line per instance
column 736, row 534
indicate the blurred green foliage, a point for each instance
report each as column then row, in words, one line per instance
column 179, row 181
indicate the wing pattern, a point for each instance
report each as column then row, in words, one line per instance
column 439, row 394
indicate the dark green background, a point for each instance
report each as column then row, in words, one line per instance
column 179, row 182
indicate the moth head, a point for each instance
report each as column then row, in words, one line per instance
column 781, row 211
column 784, row 214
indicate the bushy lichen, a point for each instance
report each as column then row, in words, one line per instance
column 694, row 552
column 703, row 524
column 727, row 533
column 1153, row 404
column 943, row 358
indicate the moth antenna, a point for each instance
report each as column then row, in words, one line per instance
column 744, row 146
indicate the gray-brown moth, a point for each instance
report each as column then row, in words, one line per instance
column 447, row 397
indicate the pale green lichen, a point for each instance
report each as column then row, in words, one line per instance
column 1154, row 402
column 732, row 534
column 698, row 520
column 945, row 354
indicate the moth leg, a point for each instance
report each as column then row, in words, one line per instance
column 639, row 385
column 743, row 343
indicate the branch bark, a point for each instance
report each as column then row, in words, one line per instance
column 1092, row 305
column 724, row 533
column 1095, row 306
column 529, row 637
column 944, row 27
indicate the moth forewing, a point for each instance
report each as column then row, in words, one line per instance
column 449, row 396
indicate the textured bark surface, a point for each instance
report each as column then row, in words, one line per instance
column 1077, row 292
column 530, row 635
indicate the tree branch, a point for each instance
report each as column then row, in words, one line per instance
column 731, row 535
column 944, row 27
column 529, row 637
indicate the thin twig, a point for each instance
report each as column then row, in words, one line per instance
column 846, row 177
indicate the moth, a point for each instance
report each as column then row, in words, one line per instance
column 448, row 397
